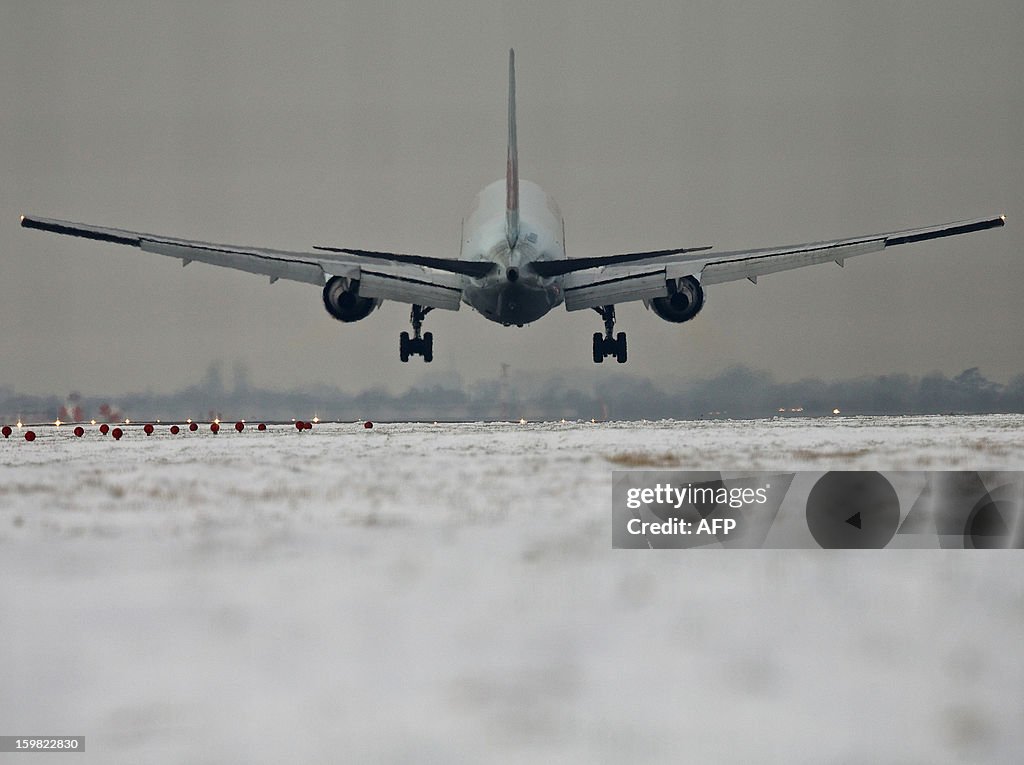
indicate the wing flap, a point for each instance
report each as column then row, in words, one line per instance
column 613, row 286
column 411, row 284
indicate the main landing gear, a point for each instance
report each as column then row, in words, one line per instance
column 607, row 345
column 417, row 345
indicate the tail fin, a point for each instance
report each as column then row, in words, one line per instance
column 512, row 169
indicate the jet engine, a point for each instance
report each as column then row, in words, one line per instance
column 342, row 300
column 684, row 301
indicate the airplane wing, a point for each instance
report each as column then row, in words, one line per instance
column 433, row 282
column 650, row 278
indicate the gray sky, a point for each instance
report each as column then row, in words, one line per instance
column 654, row 124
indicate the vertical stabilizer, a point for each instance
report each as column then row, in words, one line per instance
column 512, row 169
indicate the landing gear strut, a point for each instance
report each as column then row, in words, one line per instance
column 606, row 345
column 417, row 345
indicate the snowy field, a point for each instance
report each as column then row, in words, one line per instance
column 448, row 593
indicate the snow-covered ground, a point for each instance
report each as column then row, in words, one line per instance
column 448, row 593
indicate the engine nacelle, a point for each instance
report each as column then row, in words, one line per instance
column 684, row 301
column 342, row 300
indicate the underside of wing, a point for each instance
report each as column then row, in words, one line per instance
column 656, row 277
column 277, row 264
column 384, row 276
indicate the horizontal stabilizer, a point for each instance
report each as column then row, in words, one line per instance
column 474, row 268
column 548, row 268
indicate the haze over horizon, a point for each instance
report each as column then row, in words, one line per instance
column 653, row 126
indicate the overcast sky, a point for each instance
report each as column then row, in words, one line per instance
column 372, row 125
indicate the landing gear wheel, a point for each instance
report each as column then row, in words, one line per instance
column 609, row 344
column 427, row 350
column 620, row 348
column 417, row 345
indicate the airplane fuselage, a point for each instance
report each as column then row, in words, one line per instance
column 513, row 293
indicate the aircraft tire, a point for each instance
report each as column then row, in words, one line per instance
column 403, row 346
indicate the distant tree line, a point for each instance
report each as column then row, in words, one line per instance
column 739, row 392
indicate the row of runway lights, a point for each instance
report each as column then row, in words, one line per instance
column 148, row 429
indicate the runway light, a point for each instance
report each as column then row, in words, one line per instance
column 19, row 424
column 57, row 423
column 261, row 426
column 214, row 426
column 104, row 428
column 522, row 421
column 835, row 411
column 316, row 419
column 79, row 431
column 30, row 436
column 149, row 429
column 92, row 422
column 193, row 426
column 189, row 420
column 298, row 425
column 367, row 424
column 239, row 426
column 127, row 422
column 175, row 430
column 216, row 422
column 6, row 431
column 117, row 433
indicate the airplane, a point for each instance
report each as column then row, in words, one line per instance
column 512, row 266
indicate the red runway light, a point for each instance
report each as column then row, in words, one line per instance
column 367, row 424
column 148, row 429
column 104, row 428
column 6, row 431
column 193, row 426
column 239, row 426
column 299, row 425
column 117, row 433
column 30, row 436
column 214, row 427
column 261, row 426
column 175, row 430
column 79, row 431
